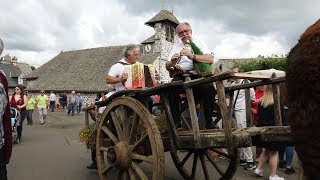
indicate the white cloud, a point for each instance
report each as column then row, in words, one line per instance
column 236, row 45
column 36, row 31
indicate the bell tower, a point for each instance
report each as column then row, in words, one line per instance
column 164, row 24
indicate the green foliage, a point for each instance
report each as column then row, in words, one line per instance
column 33, row 68
column 261, row 64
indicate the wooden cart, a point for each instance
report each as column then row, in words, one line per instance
column 130, row 146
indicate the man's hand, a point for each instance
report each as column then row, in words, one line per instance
column 175, row 57
column 186, row 52
column 123, row 77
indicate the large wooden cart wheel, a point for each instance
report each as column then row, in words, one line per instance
column 186, row 161
column 124, row 151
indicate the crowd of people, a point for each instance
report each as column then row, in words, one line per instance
column 25, row 103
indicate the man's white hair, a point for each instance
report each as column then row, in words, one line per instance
column 183, row 23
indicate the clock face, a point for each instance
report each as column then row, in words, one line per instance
column 147, row 47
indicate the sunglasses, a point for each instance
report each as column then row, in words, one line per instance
column 41, row 92
column 17, row 89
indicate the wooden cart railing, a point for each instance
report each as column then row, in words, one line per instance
column 121, row 147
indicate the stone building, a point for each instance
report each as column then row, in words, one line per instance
column 15, row 71
column 85, row 70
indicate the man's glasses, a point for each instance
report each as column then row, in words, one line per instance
column 41, row 92
column 184, row 31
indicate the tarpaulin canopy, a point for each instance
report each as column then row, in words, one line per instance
column 269, row 72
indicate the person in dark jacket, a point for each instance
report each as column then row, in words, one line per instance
column 6, row 132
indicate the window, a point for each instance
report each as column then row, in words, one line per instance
column 169, row 33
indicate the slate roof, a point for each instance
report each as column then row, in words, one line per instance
column 25, row 68
column 228, row 63
column 149, row 40
column 163, row 15
column 80, row 70
column 12, row 74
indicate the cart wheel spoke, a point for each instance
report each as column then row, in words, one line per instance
column 124, row 121
column 131, row 174
column 105, row 170
column 220, row 152
column 117, row 125
column 214, row 164
column 204, row 166
column 110, row 134
column 142, row 158
column 185, row 159
column 194, row 165
column 105, row 149
column 134, row 127
column 125, row 175
column 118, row 176
column 139, row 171
column 123, row 113
column 141, row 140
column 185, row 122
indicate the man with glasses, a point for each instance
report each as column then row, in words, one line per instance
column 42, row 102
column 180, row 65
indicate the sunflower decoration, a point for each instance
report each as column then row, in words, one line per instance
column 160, row 120
column 88, row 136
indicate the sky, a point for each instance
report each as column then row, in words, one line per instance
column 35, row 31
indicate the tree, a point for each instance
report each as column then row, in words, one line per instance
column 33, row 68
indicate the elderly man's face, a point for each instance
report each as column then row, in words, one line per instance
column 184, row 32
column 133, row 58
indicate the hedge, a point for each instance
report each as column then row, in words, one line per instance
column 261, row 64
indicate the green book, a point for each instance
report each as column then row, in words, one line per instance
column 200, row 67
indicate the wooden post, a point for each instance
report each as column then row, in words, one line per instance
column 86, row 119
column 193, row 115
column 231, row 109
column 248, row 105
column 276, row 100
column 225, row 116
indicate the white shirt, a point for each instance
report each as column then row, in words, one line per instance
column 52, row 97
column 101, row 109
column 241, row 100
column 186, row 63
column 116, row 71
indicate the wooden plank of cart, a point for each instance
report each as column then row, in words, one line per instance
column 130, row 146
